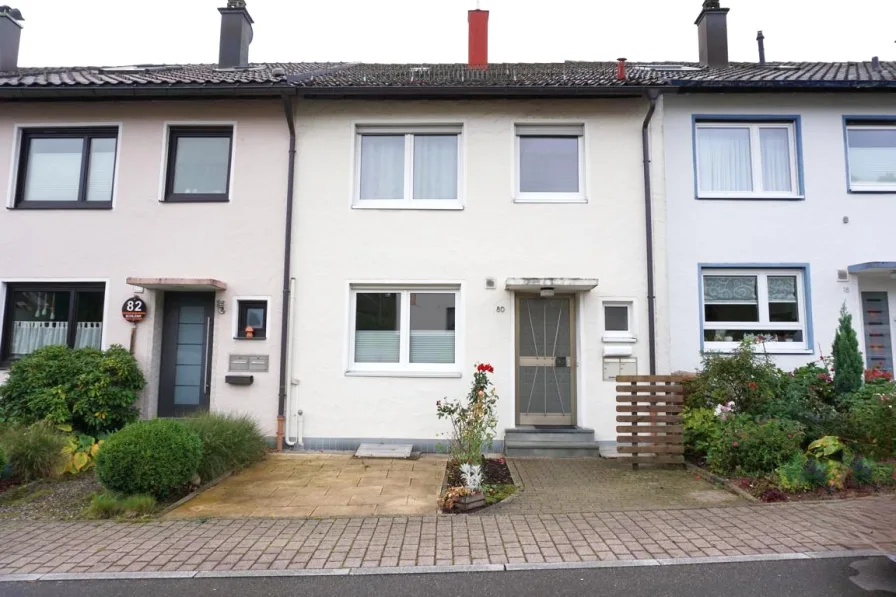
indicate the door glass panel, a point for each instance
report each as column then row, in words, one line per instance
column 878, row 341
column 188, row 356
column 545, row 363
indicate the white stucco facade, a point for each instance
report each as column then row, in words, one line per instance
column 239, row 243
column 825, row 230
column 488, row 236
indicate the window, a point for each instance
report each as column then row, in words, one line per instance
column 252, row 319
column 550, row 163
column 747, row 160
column 404, row 330
column 410, row 168
column 39, row 315
column 199, row 159
column 871, row 149
column 67, row 168
column 765, row 305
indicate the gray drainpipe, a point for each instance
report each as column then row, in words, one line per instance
column 287, row 254
column 652, row 95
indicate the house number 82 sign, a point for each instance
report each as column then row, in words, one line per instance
column 134, row 309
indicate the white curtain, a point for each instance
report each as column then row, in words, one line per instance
column 432, row 346
column 382, row 166
column 377, row 346
column 435, row 166
column 102, row 170
column 872, row 156
column 774, row 144
column 28, row 336
column 54, row 170
column 724, row 159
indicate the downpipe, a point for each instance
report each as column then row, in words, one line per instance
column 652, row 96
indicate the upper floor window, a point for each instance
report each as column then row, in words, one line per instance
column 65, row 168
column 408, row 167
column 871, row 155
column 199, row 161
column 38, row 315
column 550, row 164
column 764, row 305
column 746, row 160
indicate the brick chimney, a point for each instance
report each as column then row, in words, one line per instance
column 478, row 55
column 236, row 35
column 712, row 27
column 10, row 34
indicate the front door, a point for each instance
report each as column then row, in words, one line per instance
column 187, row 333
column 878, row 344
column 545, row 361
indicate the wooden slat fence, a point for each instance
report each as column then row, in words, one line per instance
column 648, row 411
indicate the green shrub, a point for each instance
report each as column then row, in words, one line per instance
column 34, row 452
column 228, row 443
column 754, row 447
column 701, row 427
column 883, row 474
column 869, row 423
column 744, row 377
column 92, row 390
column 792, row 474
column 3, row 460
column 849, row 367
column 106, row 505
column 155, row 457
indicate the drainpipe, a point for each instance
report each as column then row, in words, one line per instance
column 287, row 254
column 652, row 96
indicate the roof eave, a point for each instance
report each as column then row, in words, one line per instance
column 88, row 92
column 495, row 92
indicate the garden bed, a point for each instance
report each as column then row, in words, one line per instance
column 497, row 482
column 62, row 498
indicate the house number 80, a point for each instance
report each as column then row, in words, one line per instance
column 500, row 309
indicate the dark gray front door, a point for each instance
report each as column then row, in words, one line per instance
column 546, row 360
column 187, row 334
column 878, row 342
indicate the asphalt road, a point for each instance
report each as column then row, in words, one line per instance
column 792, row 578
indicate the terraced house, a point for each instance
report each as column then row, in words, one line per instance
column 538, row 217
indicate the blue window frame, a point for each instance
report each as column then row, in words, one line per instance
column 747, row 157
column 768, row 303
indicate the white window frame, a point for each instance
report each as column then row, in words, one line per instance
column 755, row 159
column 628, row 335
column 404, row 368
column 408, row 202
column 548, row 130
column 762, row 276
column 860, row 187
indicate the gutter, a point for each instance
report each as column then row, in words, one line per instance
column 288, row 110
column 652, row 96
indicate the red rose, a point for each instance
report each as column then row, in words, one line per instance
column 734, row 444
column 753, row 385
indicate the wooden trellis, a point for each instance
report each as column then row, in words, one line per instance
column 649, row 411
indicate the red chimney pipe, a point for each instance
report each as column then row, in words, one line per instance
column 620, row 69
column 478, row 54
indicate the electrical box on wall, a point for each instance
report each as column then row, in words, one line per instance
column 614, row 367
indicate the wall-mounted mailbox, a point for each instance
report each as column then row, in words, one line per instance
column 614, row 367
column 250, row 362
column 239, row 380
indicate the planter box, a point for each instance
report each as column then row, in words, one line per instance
column 470, row 502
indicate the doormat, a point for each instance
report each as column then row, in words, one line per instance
column 384, row 451
column 554, row 426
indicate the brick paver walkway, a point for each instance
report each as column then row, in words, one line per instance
column 269, row 544
column 552, row 486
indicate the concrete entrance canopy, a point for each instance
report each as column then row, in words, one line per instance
column 179, row 284
column 557, row 284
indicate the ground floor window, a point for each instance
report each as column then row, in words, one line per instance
column 767, row 305
column 38, row 315
column 403, row 329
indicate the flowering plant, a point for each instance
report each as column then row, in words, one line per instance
column 472, row 475
column 877, row 375
column 722, row 410
column 473, row 422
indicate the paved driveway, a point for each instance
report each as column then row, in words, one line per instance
column 319, row 485
column 572, row 485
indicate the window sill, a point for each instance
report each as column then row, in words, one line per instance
column 707, row 347
column 418, row 204
column 748, row 197
column 63, row 205
column 249, row 339
column 619, row 339
column 409, row 374
column 873, row 191
column 196, row 199
column 550, row 198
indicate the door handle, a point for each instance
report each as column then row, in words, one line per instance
column 208, row 363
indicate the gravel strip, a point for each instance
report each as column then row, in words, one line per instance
column 50, row 499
